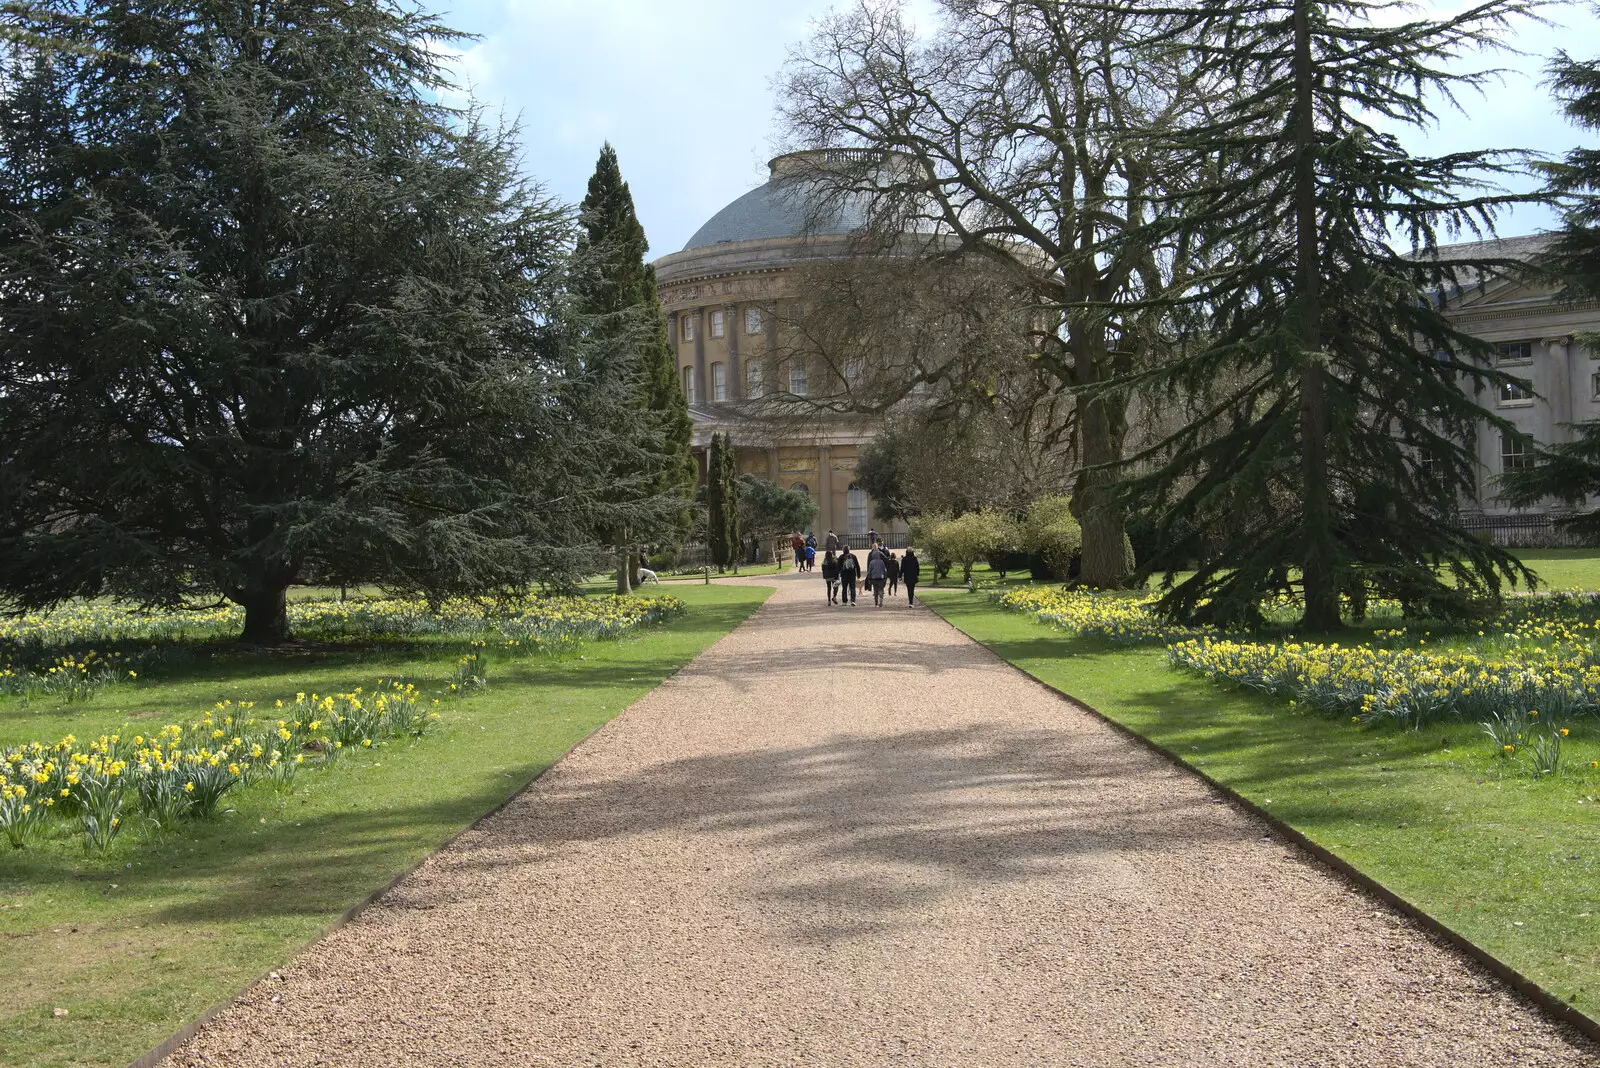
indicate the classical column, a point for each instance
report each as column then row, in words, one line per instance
column 672, row 338
column 1559, row 387
column 769, row 327
column 731, row 328
column 825, row 489
column 702, row 384
column 772, row 466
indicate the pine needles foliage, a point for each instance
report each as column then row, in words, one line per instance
column 274, row 314
column 1336, row 432
column 617, row 294
column 722, row 502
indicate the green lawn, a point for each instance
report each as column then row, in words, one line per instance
column 1509, row 862
column 1564, row 569
column 136, row 944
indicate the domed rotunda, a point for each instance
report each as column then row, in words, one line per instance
column 731, row 296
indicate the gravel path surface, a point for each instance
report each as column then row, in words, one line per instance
column 848, row 836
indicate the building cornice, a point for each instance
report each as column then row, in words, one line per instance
column 1542, row 308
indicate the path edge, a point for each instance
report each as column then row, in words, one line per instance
column 173, row 1042
column 1549, row 1005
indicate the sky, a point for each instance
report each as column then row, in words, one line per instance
column 684, row 90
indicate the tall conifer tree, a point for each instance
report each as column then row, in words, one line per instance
column 273, row 313
column 722, row 502
column 1338, row 441
column 617, row 292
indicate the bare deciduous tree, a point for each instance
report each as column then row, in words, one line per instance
column 1023, row 132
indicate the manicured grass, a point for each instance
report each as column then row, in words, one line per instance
column 139, row 942
column 1564, row 569
column 1509, row 862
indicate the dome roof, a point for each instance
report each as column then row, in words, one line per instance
column 786, row 205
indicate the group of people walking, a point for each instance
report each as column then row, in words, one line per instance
column 882, row 572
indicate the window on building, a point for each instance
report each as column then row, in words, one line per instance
column 1516, row 351
column 801, row 487
column 855, row 503
column 797, row 379
column 688, row 327
column 716, row 324
column 753, row 321
column 1516, row 452
column 1594, row 385
column 688, row 383
column 853, row 370
column 719, row 382
column 752, row 379
column 1515, row 393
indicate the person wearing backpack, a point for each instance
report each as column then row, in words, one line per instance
column 830, row 575
column 849, row 571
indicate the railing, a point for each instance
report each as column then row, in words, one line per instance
column 1517, row 531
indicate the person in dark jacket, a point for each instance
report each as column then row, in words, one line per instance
column 910, row 569
column 833, row 542
column 877, row 574
column 830, row 575
column 894, row 573
column 849, row 571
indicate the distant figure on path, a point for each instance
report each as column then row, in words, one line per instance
column 811, row 557
column 833, row 542
column 910, row 568
column 811, row 539
column 798, row 544
column 877, row 574
column 849, row 571
column 894, row 574
column 830, row 575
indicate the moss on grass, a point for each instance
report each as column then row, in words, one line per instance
column 137, row 943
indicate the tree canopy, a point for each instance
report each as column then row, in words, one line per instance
column 274, row 313
column 1332, row 458
column 615, row 289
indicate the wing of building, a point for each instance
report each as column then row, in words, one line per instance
column 729, row 297
column 1540, row 340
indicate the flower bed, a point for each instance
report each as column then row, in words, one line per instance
column 1540, row 656
column 155, row 779
column 32, row 661
column 1116, row 617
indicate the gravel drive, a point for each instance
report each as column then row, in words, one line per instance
column 848, row 836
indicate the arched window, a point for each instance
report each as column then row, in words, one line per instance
column 688, row 326
column 797, row 379
column 719, row 382
column 752, row 379
column 856, row 509
column 801, row 487
column 753, row 321
column 688, row 383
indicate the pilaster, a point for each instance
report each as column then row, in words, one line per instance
column 731, row 329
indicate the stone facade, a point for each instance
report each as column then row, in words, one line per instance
column 727, row 296
column 1539, row 340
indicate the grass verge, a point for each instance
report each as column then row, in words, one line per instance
column 1508, row 862
column 137, row 943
